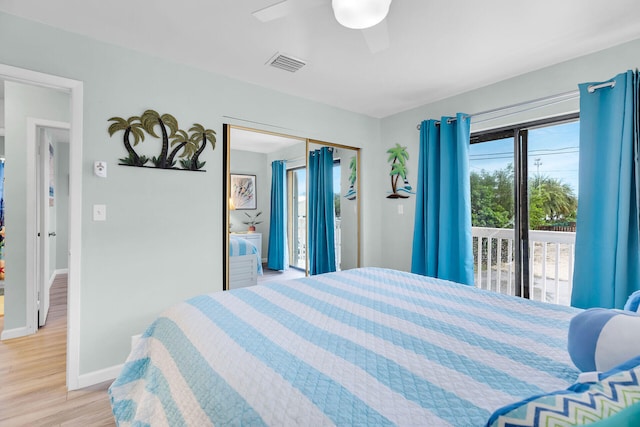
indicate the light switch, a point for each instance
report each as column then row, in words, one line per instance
column 99, row 212
column 400, row 209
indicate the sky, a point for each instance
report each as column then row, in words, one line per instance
column 553, row 152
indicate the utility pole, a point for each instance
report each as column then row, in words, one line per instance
column 538, row 162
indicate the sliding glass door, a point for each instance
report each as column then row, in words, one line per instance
column 524, row 204
column 297, row 217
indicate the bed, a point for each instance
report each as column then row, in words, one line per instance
column 245, row 264
column 367, row 346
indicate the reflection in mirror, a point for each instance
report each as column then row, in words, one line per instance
column 333, row 206
column 265, row 207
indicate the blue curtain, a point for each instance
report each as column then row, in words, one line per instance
column 607, row 256
column 442, row 242
column 278, row 255
column 321, row 241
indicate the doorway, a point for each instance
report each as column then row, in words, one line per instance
column 17, row 325
column 52, row 200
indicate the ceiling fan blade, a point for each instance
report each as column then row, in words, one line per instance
column 275, row 11
column 284, row 8
column 377, row 37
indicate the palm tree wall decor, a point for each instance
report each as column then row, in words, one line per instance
column 150, row 119
column 201, row 136
column 398, row 157
column 351, row 192
column 131, row 126
column 188, row 146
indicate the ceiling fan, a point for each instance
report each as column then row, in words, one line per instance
column 367, row 16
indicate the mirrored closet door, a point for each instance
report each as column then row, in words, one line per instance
column 264, row 209
column 267, row 208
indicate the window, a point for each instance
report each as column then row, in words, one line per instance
column 524, row 186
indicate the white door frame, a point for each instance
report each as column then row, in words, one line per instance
column 75, row 88
column 40, row 221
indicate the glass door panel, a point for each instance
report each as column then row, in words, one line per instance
column 491, row 165
column 553, row 203
column 297, row 221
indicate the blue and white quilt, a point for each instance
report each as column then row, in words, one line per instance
column 239, row 246
column 367, row 346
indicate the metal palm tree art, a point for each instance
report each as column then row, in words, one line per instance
column 181, row 138
column 200, row 136
column 151, row 119
column 187, row 146
column 131, row 126
column 398, row 157
column 352, row 193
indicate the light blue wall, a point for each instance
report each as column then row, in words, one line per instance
column 22, row 101
column 397, row 233
column 161, row 242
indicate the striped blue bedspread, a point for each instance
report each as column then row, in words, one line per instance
column 363, row 347
column 239, row 246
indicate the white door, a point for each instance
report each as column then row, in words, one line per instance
column 44, row 229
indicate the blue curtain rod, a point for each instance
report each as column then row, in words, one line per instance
column 547, row 100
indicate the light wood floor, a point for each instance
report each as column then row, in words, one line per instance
column 32, row 377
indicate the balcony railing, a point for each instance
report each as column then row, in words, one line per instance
column 550, row 263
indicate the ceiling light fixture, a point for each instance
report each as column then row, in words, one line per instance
column 359, row 14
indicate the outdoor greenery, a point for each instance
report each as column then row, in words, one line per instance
column 551, row 201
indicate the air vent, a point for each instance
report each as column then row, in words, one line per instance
column 285, row 62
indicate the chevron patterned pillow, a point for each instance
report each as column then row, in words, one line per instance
column 613, row 400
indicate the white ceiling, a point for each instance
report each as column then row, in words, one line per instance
column 259, row 142
column 437, row 48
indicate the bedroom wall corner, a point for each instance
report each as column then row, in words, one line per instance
column 401, row 128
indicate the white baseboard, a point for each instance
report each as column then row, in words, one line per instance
column 51, row 280
column 61, row 271
column 100, row 376
column 106, row 374
column 8, row 334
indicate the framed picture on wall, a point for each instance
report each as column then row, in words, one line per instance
column 243, row 191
